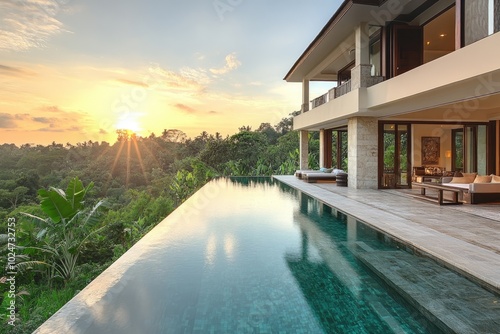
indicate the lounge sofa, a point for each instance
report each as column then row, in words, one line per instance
column 478, row 188
column 325, row 174
column 300, row 172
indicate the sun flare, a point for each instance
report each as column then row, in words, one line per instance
column 129, row 124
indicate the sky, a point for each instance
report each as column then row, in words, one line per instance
column 78, row 70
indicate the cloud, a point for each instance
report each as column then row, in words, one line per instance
column 188, row 79
column 185, row 108
column 54, row 109
column 196, row 75
column 232, row 63
column 10, row 121
column 7, row 121
column 133, row 83
column 59, row 120
column 13, row 71
column 51, row 128
column 45, row 120
column 28, row 24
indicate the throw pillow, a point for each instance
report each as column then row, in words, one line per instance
column 459, row 179
column 458, row 174
column 470, row 177
column 466, row 178
column 495, row 178
column 483, row 179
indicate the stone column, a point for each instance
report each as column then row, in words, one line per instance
column 322, row 148
column 361, row 72
column 304, row 149
column 305, row 95
column 362, row 135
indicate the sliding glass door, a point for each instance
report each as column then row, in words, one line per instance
column 395, row 156
column 469, row 151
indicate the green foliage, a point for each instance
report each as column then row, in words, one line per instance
column 61, row 206
column 40, row 303
column 185, row 182
column 60, row 233
column 290, row 165
column 68, row 226
column 246, row 148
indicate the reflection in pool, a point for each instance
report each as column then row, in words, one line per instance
column 244, row 255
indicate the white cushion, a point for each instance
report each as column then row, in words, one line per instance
column 336, row 171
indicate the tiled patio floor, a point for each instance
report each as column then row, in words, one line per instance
column 464, row 237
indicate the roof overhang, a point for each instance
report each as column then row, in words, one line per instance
column 332, row 49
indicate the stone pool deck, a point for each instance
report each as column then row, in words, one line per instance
column 465, row 237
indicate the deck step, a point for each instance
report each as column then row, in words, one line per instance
column 452, row 302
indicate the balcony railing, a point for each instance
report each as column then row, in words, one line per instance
column 332, row 94
column 342, row 90
column 319, row 100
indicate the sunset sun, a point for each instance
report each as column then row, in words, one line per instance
column 129, row 124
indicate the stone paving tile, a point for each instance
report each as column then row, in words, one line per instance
column 460, row 305
column 463, row 237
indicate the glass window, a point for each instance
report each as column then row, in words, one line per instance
column 439, row 36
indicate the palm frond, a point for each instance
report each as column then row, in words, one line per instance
column 28, row 265
column 35, row 218
column 94, row 212
column 91, row 234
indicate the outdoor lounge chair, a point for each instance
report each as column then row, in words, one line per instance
column 315, row 176
column 300, row 172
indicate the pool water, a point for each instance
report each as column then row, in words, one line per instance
column 245, row 255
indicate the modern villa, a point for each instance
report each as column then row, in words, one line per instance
column 414, row 84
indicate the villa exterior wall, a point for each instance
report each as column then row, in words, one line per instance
column 417, row 89
column 363, row 152
column 460, row 86
column 339, row 108
column 455, row 68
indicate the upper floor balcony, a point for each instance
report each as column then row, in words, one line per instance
column 451, row 88
column 365, row 44
column 342, row 89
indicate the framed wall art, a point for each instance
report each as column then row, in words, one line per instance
column 430, row 150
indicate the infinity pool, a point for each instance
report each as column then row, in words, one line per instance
column 244, row 255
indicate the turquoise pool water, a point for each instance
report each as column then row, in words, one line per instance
column 244, row 256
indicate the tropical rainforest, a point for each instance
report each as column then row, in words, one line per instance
column 69, row 211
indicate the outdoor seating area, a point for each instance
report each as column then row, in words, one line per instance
column 465, row 188
column 457, row 192
column 321, row 175
column 430, row 173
